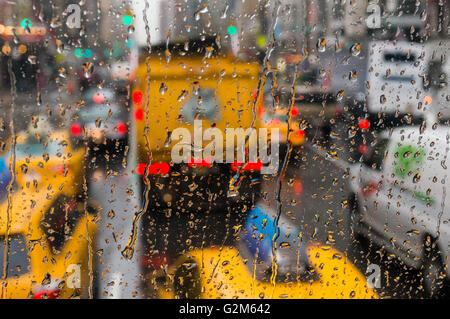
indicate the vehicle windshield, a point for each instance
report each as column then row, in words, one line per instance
column 35, row 149
column 103, row 112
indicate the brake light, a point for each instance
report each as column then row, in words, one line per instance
column 299, row 134
column 137, row 97
column 140, row 169
column 157, row 168
column 364, row 124
column 75, row 129
column 46, row 294
column 250, row 166
column 139, row 114
column 294, row 111
column 121, row 128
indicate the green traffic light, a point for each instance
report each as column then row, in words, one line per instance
column 87, row 53
column 127, row 20
column 231, row 30
column 79, row 53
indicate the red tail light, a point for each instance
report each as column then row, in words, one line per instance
column 364, row 124
column 76, row 129
column 139, row 114
column 140, row 169
column 137, row 97
column 251, row 166
column 121, row 128
column 47, row 294
column 157, row 168
column 299, row 134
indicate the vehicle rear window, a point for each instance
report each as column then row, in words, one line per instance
column 399, row 57
column 18, row 261
column 37, row 149
column 376, row 157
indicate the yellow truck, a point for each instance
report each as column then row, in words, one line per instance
column 197, row 111
column 193, row 87
column 169, row 95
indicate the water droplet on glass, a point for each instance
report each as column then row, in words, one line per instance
column 88, row 69
column 321, row 44
column 32, row 59
column 24, row 168
column 62, row 72
column 355, row 50
column 163, row 88
column 168, row 140
column 224, row 13
column 196, row 87
column 182, row 96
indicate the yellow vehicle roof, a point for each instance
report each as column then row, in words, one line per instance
column 224, row 274
column 25, row 202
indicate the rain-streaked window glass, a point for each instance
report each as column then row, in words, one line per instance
column 224, row 149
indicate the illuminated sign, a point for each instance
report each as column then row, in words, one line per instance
column 7, row 30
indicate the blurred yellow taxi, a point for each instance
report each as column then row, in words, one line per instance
column 223, row 273
column 52, row 161
column 44, row 222
column 213, row 87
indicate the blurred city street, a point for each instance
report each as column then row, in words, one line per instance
column 224, row 149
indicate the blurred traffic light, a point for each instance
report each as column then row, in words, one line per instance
column 127, row 20
column 231, row 29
